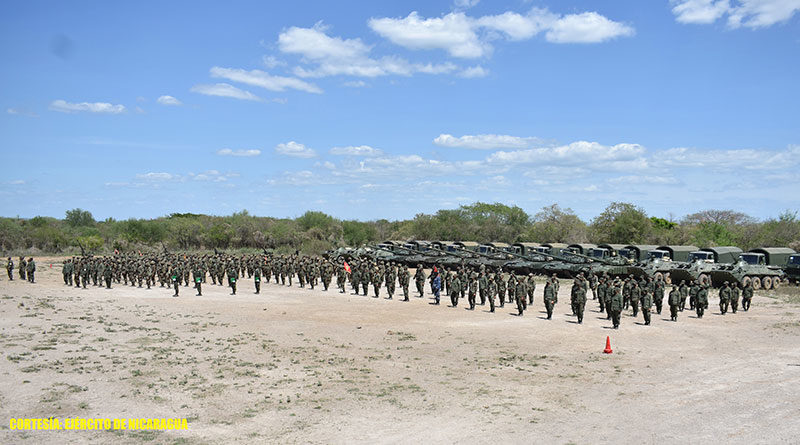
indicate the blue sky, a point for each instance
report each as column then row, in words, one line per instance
column 367, row 110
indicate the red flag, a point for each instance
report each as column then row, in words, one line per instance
column 435, row 270
column 346, row 267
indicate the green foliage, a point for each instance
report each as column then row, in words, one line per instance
column 711, row 234
column 556, row 225
column 662, row 224
column 79, row 218
column 621, row 222
column 357, row 233
column 315, row 231
column 91, row 243
column 12, row 235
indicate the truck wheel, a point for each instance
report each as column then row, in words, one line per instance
column 776, row 283
column 746, row 280
column 756, row 283
column 766, row 283
column 658, row 275
column 667, row 278
column 703, row 279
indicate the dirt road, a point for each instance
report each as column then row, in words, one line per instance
column 300, row 366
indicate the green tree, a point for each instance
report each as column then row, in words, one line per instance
column 356, row 233
column 12, row 234
column 79, row 218
column 621, row 222
column 556, row 225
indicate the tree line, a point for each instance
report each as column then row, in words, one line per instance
column 314, row 232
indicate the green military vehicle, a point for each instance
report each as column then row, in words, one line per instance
column 701, row 263
column 648, row 260
column 762, row 267
column 792, row 269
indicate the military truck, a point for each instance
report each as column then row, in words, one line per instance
column 529, row 248
column 555, row 248
column 582, row 248
column 762, row 267
column 611, row 250
column 637, row 252
column 792, row 269
column 678, row 253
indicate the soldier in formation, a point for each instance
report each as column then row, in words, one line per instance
column 674, row 301
column 460, row 281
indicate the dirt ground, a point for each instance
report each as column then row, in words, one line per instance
column 294, row 365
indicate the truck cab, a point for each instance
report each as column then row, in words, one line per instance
column 754, row 259
column 701, row 256
column 600, row 253
column 661, row 255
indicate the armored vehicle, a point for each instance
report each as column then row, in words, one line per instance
column 702, row 262
column 752, row 267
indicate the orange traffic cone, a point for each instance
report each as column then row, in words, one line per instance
column 608, row 349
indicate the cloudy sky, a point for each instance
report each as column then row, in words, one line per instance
column 385, row 109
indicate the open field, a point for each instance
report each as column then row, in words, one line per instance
column 297, row 366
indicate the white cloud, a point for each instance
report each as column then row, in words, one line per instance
column 454, row 32
column 334, row 56
column 90, row 107
column 739, row 159
column 485, row 141
column 466, row 3
column 588, row 27
column 699, row 11
column 272, row 62
column 157, row 176
column 295, row 149
column 361, row 150
column 473, row 72
column 16, row 182
column 21, row 112
column 303, row 177
column 355, row 84
column 224, row 90
column 517, row 26
column 748, row 13
column 168, row 100
column 264, row 80
column 590, row 155
column 460, row 35
column 238, row 153
column 211, row 176
column 315, row 44
column 644, row 178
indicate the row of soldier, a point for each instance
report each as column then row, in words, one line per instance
column 27, row 269
column 614, row 295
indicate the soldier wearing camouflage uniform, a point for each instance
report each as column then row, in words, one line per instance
column 550, row 297
column 702, row 300
column 747, row 296
column 419, row 279
column 674, row 301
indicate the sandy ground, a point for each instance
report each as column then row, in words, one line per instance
column 299, row 366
